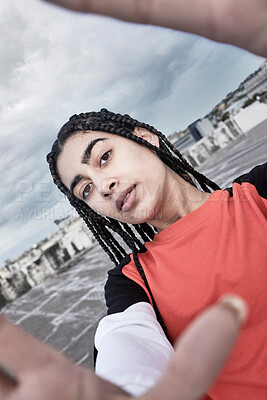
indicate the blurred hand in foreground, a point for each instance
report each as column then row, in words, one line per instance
column 242, row 23
column 42, row 373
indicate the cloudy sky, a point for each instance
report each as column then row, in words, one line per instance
column 54, row 63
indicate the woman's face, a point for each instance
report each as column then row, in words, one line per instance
column 115, row 176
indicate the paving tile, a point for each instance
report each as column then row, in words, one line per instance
column 38, row 325
column 83, row 345
column 64, row 310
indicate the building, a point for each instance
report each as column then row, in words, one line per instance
column 46, row 258
column 238, row 123
column 247, row 118
column 255, row 83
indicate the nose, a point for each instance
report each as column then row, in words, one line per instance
column 108, row 187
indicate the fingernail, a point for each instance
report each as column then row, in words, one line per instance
column 235, row 304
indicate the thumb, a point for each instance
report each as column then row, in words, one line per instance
column 201, row 352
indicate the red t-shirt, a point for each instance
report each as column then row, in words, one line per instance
column 218, row 248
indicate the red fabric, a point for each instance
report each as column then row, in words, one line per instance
column 219, row 248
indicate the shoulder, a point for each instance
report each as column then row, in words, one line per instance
column 256, row 177
column 120, row 291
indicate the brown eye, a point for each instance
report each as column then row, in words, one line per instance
column 105, row 158
column 87, row 190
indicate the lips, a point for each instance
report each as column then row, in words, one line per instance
column 123, row 201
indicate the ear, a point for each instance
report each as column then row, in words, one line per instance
column 146, row 135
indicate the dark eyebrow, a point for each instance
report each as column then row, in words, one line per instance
column 85, row 160
column 87, row 152
column 75, row 182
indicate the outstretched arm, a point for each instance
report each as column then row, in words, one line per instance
column 242, row 23
column 43, row 374
column 133, row 351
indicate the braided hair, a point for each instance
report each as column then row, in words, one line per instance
column 102, row 227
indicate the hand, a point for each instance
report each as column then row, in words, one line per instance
column 43, row 373
column 238, row 22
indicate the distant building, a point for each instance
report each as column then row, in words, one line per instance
column 44, row 259
column 226, row 121
column 174, row 137
column 204, row 127
column 247, row 118
column 185, row 142
column 225, row 132
column 255, row 83
column 193, row 128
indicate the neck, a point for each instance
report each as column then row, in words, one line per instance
column 180, row 198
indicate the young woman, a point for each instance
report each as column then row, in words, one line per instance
column 188, row 247
column 40, row 373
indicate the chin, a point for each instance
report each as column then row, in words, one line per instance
column 145, row 215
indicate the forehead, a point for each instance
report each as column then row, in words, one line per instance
column 70, row 157
column 80, row 139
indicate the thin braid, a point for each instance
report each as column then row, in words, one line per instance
column 142, row 232
column 104, row 235
column 200, row 177
column 100, row 221
column 148, row 230
column 101, row 242
column 109, row 239
column 131, row 233
column 167, row 145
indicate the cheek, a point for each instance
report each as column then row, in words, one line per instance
column 96, row 204
column 153, row 183
column 101, row 206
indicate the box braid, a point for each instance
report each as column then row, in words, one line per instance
column 102, row 227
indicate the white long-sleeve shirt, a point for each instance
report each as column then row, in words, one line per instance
column 132, row 349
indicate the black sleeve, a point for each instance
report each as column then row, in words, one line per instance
column 120, row 291
column 257, row 177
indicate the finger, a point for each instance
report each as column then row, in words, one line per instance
column 75, row 383
column 42, row 373
column 94, row 387
column 223, row 21
column 169, row 13
column 20, row 352
column 7, row 386
column 70, row 382
column 201, row 352
column 75, row 5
